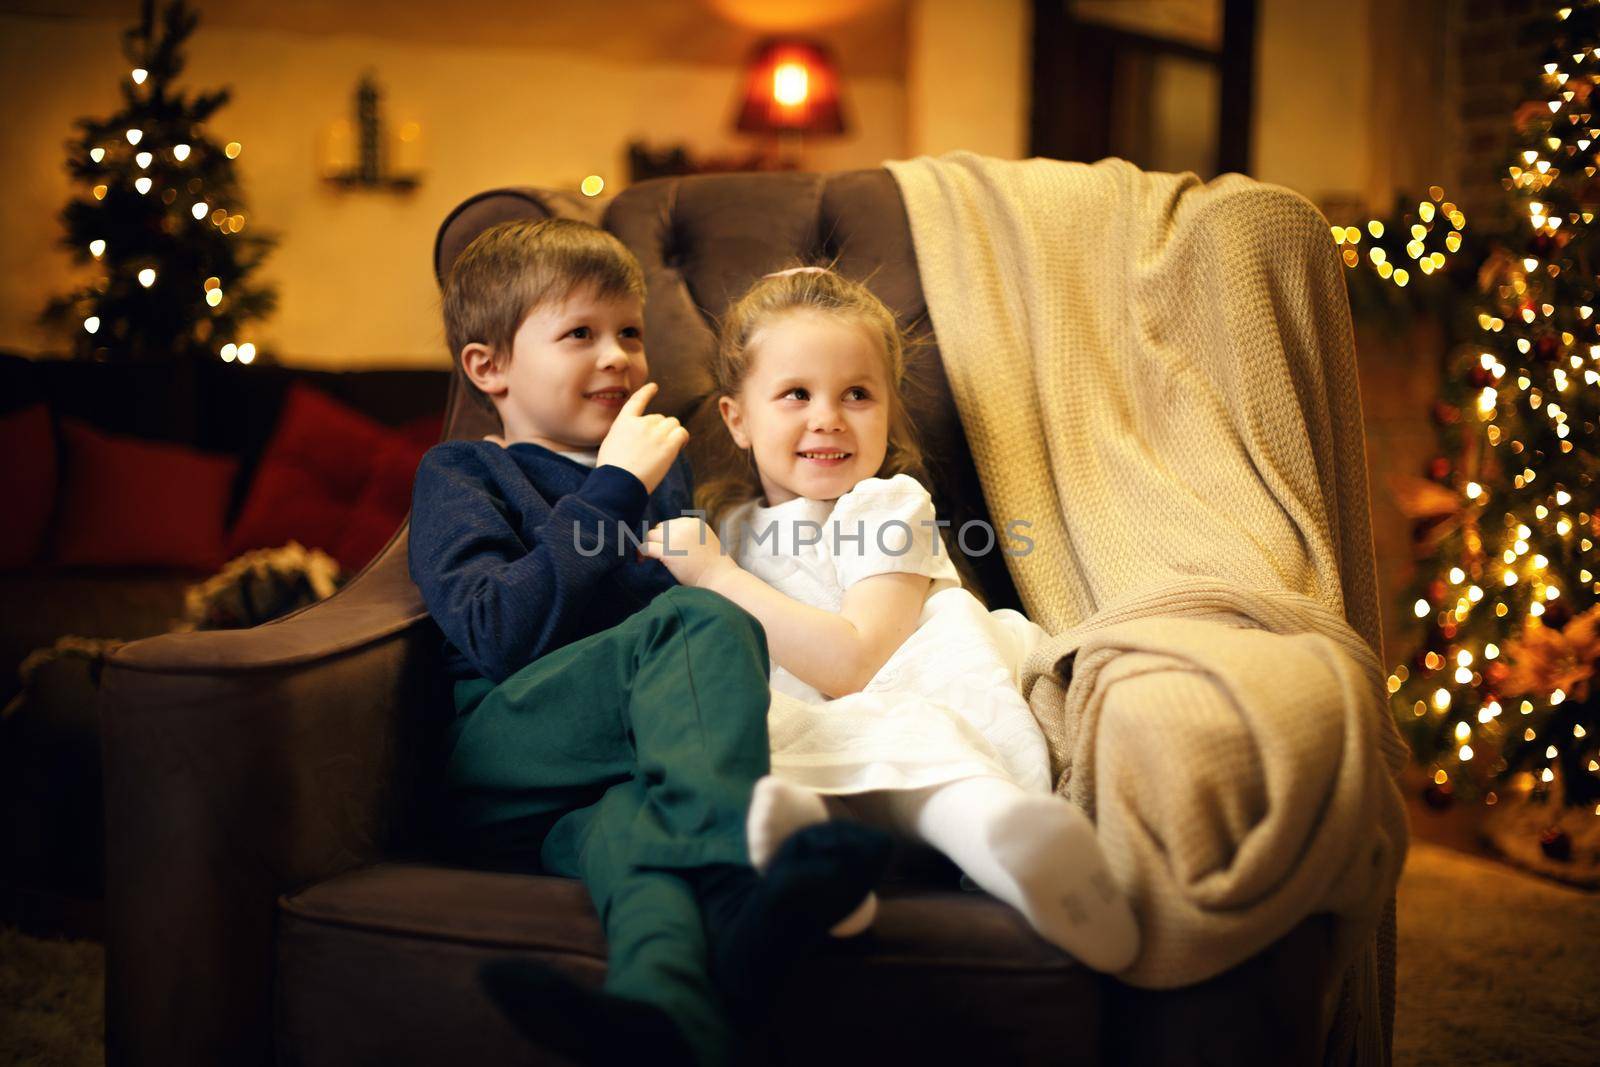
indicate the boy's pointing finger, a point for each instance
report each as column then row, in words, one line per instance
column 640, row 399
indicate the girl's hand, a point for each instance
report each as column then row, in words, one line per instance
column 689, row 549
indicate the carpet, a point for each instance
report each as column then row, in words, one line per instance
column 1496, row 967
column 51, row 1001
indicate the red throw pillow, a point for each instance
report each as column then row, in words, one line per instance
column 383, row 505
column 288, row 503
column 27, row 483
column 310, row 473
column 136, row 503
column 329, row 479
column 319, row 434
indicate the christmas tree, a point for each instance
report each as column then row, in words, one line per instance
column 1500, row 698
column 162, row 224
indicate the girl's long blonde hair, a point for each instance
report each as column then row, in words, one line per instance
column 780, row 294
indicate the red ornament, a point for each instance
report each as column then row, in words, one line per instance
column 1556, row 843
column 1479, row 376
column 1448, row 628
column 1547, row 348
column 1437, row 590
column 1540, row 245
column 1439, row 468
column 1446, row 414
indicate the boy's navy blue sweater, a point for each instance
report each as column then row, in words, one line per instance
column 518, row 551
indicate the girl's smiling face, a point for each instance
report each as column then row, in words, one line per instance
column 813, row 408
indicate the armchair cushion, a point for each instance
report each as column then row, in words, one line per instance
column 1004, row 995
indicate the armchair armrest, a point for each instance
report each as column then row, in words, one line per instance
column 240, row 765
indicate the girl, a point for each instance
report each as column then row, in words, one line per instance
column 894, row 691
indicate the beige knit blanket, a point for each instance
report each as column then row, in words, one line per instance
column 1158, row 375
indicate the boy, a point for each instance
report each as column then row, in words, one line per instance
column 608, row 722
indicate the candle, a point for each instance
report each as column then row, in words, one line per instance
column 405, row 151
column 337, row 150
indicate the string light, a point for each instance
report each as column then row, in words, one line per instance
column 135, row 136
column 97, row 248
column 180, row 152
column 147, row 277
column 1428, row 261
column 139, row 75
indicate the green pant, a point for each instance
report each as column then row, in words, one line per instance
column 624, row 758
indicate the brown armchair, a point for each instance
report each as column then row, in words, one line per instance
column 272, row 892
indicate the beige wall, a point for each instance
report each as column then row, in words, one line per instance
column 1312, row 96
column 1348, row 104
column 1345, row 96
column 968, row 76
column 353, row 272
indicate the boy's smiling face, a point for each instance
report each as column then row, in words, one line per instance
column 573, row 363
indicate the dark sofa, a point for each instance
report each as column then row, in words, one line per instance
column 51, row 851
column 273, row 893
column 213, row 407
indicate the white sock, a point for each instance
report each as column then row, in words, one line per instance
column 778, row 809
column 1037, row 853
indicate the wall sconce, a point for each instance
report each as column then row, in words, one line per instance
column 365, row 153
column 791, row 88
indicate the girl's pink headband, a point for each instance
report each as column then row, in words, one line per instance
column 796, row 270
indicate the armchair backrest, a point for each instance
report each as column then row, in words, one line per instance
column 702, row 241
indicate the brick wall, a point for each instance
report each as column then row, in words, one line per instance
column 1494, row 48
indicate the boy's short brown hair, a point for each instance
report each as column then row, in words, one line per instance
column 511, row 270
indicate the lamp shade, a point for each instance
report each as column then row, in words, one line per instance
column 791, row 86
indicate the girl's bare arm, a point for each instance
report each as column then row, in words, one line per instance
column 835, row 653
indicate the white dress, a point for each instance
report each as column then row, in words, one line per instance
column 946, row 705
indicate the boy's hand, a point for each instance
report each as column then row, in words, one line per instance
column 643, row 445
column 689, row 549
